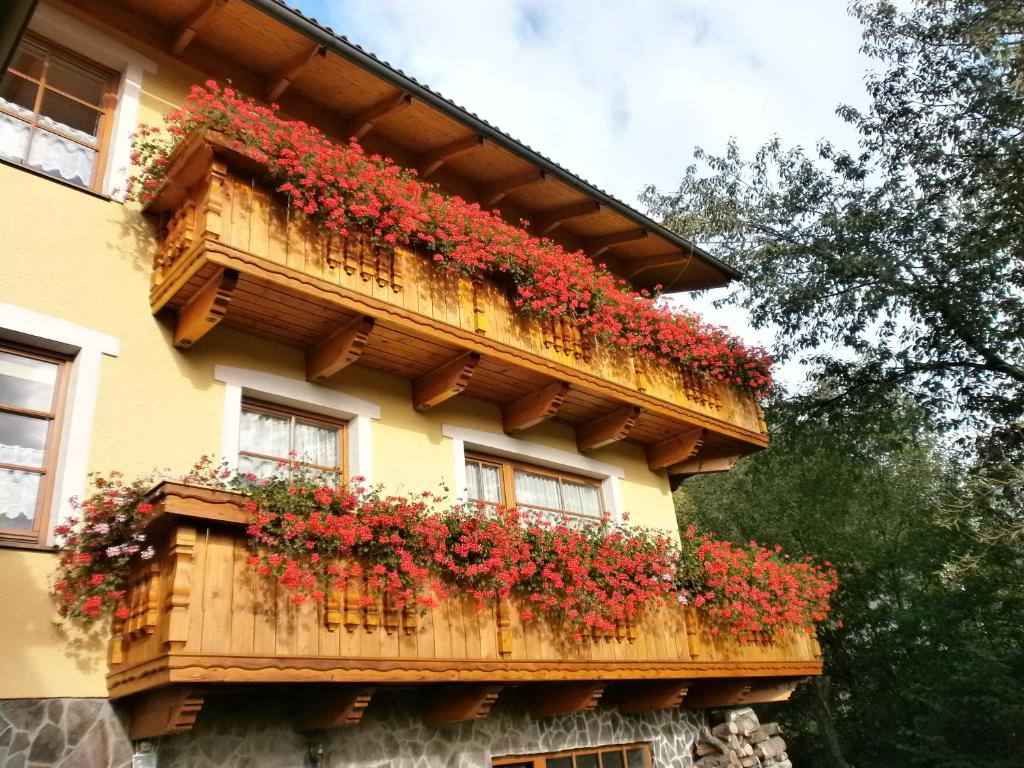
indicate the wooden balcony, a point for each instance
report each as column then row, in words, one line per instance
column 232, row 251
column 202, row 622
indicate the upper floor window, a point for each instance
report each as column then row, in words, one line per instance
column 271, row 435
column 495, row 481
column 32, row 385
column 628, row 756
column 56, row 111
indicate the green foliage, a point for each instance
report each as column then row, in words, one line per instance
column 907, row 251
column 925, row 656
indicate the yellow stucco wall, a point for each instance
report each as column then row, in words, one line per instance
column 74, row 256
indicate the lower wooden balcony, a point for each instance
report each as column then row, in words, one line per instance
column 234, row 252
column 201, row 621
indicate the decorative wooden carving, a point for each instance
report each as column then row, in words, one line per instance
column 693, row 642
column 563, row 336
column 163, row 711
column 410, row 619
column 533, row 408
column 495, row 193
column 503, row 617
column 340, row 349
column 187, row 31
column 211, row 205
column 332, row 611
column 179, row 597
column 177, row 239
column 700, row 391
column 371, row 612
column 429, row 162
column 480, row 322
column 353, row 616
column 143, row 598
column 444, row 382
column 550, row 699
column 705, row 464
column 595, row 246
column 115, row 649
column 338, row 706
column 362, row 122
column 277, row 84
column 716, row 693
column 459, row 702
column 608, row 429
column 547, row 222
column 205, row 309
column 391, row 614
column 676, row 449
column 632, row 698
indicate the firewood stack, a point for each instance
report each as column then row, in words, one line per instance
column 741, row 741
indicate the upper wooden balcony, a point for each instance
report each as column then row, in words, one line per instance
column 233, row 251
column 202, row 621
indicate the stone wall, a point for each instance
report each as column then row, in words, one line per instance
column 258, row 732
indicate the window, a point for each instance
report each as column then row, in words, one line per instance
column 32, row 386
column 624, row 756
column 270, row 434
column 55, row 112
column 495, row 481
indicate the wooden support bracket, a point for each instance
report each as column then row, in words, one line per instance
column 716, row 693
column 533, row 408
column 444, row 382
column 429, row 162
column 767, row 691
column 546, row 222
column 705, row 464
column 550, row 699
column 338, row 706
column 595, row 246
column 362, row 122
column 632, row 698
column 280, row 81
column 635, row 267
column 163, row 711
column 459, row 702
column 187, row 31
column 340, row 349
column 675, row 450
column 608, row 429
column 495, row 193
column 205, row 309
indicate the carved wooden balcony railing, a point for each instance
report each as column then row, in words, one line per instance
column 201, row 619
column 233, row 251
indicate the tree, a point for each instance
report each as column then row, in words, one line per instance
column 907, row 252
column 924, row 659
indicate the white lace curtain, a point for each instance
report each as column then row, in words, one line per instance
column 18, row 494
column 277, row 436
column 48, row 152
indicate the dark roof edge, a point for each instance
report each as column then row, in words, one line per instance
column 305, row 26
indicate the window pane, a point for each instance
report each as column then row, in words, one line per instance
column 71, row 78
column 581, row 498
column 612, row 759
column 61, row 157
column 635, row 757
column 22, row 439
column 28, row 60
column 18, row 494
column 587, row 761
column 316, row 445
column 541, row 490
column 18, row 95
column 559, row 762
column 70, row 117
column 264, row 433
column 265, row 468
column 26, row 382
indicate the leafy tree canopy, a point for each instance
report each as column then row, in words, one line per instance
column 907, row 252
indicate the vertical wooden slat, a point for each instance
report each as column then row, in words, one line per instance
column 217, row 592
column 243, row 613
column 197, row 605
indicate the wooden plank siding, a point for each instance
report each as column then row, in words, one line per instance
column 244, row 628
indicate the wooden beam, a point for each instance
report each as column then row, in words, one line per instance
column 767, row 691
column 550, row 699
column 705, row 465
column 158, row 712
column 633, row 698
column 187, row 31
column 533, row 408
column 494, row 193
column 459, row 702
column 545, row 222
column 341, row 348
column 716, row 693
column 608, row 429
column 634, row 267
column 337, row 706
column 205, row 309
column 280, row 81
column 362, row 122
column 446, row 381
column 675, row 450
column 595, row 246
column 429, row 162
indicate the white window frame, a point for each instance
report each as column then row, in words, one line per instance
column 87, row 348
column 297, row 393
column 76, row 36
column 502, row 446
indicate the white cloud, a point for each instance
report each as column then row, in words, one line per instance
column 621, row 94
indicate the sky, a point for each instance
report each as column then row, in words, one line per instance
column 621, row 93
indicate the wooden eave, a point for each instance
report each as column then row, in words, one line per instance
column 266, row 48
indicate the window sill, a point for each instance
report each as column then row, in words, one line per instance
column 58, row 180
column 29, row 545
